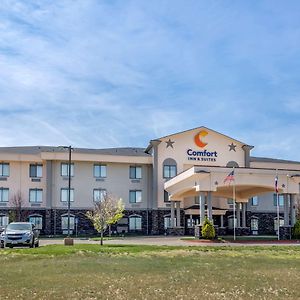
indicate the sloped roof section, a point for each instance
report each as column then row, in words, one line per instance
column 126, row 151
column 272, row 160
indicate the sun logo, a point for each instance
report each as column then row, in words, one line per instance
column 198, row 137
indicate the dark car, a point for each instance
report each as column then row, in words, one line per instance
column 19, row 234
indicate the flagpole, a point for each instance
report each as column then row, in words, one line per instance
column 233, row 210
column 233, row 196
column 277, row 200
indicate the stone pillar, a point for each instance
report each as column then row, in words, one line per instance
column 172, row 213
column 238, row 214
column 178, row 214
column 222, row 221
column 286, row 210
column 244, row 214
column 209, row 206
column 292, row 209
column 202, row 207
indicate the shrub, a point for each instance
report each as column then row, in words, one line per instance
column 208, row 230
column 296, row 230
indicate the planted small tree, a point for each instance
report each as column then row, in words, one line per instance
column 296, row 230
column 107, row 211
column 17, row 203
column 208, row 230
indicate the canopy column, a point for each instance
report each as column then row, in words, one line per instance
column 244, row 205
column 286, row 209
column 238, row 214
column 209, row 206
column 202, row 207
column 177, row 213
column 172, row 213
column 293, row 209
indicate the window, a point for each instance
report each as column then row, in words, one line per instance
column 37, row 220
column 166, row 196
column 135, row 223
column 4, row 194
column 190, row 223
column 36, row 195
column 35, row 170
column 4, row 169
column 254, row 201
column 64, row 222
column 99, row 195
column 280, row 200
column 65, row 169
column 170, row 171
column 135, row 172
column 135, row 196
column 254, row 224
column 281, row 223
column 64, row 195
column 99, row 171
column 3, row 220
column 167, row 222
column 230, row 222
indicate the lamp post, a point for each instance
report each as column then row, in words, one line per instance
column 69, row 241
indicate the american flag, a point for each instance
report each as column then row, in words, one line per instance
column 230, row 177
column 276, row 184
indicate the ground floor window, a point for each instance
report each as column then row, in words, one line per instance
column 135, row 223
column 37, row 220
column 190, row 223
column 3, row 220
column 281, row 223
column 64, row 222
column 167, row 222
column 230, row 222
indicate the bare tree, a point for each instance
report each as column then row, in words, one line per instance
column 17, row 203
column 106, row 212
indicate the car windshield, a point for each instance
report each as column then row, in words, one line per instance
column 19, row 227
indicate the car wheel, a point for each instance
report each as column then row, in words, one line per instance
column 37, row 244
column 1, row 246
column 31, row 244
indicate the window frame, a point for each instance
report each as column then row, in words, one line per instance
column 37, row 226
column 135, row 217
column 2, row 189
column 36, row 198
column 167, row 171
column 2, row 216
column 66, row 164
column 280, row 200
column 252, row 202
column 135, row 197
column 100, row 166
column 71, row 197
column 36, row 167
column 133, row 174
column 102, row 197
column 72, row 224
column 2, row 164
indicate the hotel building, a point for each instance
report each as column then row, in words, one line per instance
column 168, row 187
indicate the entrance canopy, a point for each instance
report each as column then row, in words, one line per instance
column 248, row 182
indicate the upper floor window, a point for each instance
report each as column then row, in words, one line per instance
column 99, row 171
column 99, row 195
column 35, row 170
column 135, row 172
column 280, row 200
column 64, row 193
column 36, row 195
column 135, row 196
column 4, row 169
column 169, row 168
column 4, row 194
column 65, row 169
column 254, row 201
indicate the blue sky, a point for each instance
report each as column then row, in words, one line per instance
column 118, row 73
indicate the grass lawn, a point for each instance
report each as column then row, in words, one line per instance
column 150, row 272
